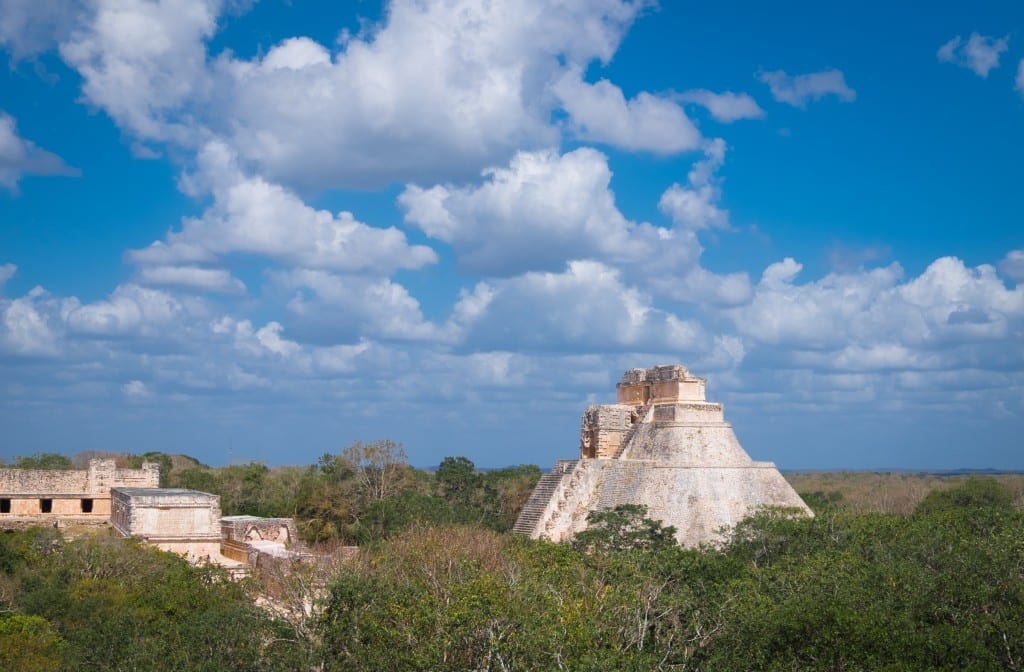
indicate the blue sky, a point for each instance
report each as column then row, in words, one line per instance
column 262, row 230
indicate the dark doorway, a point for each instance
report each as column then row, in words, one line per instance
column 86, row 506
column 5, row 505
column 45, row 505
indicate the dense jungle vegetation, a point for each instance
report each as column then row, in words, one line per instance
column 438, row 583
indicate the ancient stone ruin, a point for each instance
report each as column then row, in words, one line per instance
column 185, row 522
column 664, row 446
column 54, row 496
column 188, row 523
column 254, row 540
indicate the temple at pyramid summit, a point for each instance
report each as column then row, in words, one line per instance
column 664, row 446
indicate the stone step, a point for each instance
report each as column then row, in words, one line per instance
column 541, row 496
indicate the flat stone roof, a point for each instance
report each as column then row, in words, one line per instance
column 161, row 492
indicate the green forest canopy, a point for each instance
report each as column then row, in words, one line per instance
column 941, row 588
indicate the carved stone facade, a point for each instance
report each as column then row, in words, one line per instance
column 252, row 540
column 72, row 494
column 664, row 446
column 603, row 429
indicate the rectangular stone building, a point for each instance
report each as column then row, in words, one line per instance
column 68, row 493
column 186, row 522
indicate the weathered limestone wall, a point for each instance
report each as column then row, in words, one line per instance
column 658, row 385
column 254, row 528
column 193, row 551
column 698, row 501
column 96, row 480
column 168, row 514
column 188, row 523
column 43, row 482
column 690, row 445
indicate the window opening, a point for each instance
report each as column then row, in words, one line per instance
column 86, row 506
column 46, row 505
column 5, row 505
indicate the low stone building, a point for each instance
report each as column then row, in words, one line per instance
column 186, row 522
column 664, row 446
column 252, row 540
column 42, row 495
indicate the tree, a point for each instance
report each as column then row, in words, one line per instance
column 44, row 461
column 508, row 490
column 626, row 527
column 977, row 492
column 118, row 605
column 165, row 461
column 197, row 478
column 29, row 644
column 457, row 479
column 241, row 489
column 380, row 467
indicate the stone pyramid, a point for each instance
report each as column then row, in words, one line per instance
column 662, row 445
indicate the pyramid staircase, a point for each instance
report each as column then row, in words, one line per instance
column 538, row 502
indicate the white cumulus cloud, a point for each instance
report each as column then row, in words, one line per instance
column 979, row 54
column 725, row 107
column 544, row 209
column 7, row 272
column 587, row 307
column 33, row 325
column 1012, row 265
column 19, row 157
column 205, row 279
column 601, row 113
column 695, row 206
column 798, row 90
column 250, row 215
column 438, row 89
column 946, row 316
column 132, row 311
column 144, row 62
column 331, row 307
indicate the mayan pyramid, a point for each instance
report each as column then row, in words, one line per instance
column 662, row 445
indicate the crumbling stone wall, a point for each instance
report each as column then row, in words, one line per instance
column 244, row 538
